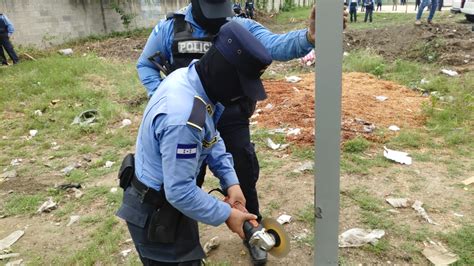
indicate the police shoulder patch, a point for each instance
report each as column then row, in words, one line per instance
column 186, row 151
column 197, row 118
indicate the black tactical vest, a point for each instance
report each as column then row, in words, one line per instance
column 185, row 47
column 3, row 25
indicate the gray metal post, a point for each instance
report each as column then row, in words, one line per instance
column 328, row 127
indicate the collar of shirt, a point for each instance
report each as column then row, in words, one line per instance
column 194, row 80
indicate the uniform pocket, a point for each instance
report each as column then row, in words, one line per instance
column 132, row 210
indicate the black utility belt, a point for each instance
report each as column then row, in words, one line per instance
column 163, row 225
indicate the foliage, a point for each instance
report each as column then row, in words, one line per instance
column 126, row 18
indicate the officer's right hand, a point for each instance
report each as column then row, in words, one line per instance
column 236, row 220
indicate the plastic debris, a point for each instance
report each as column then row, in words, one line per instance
column 8, row 256
column 458, row 214
column 393, row 128
column 345, row 54
column 113, row 190
column 125, row 252
column 69, row 185
column 8, row 174
column 212, row 244
column 33, row 132
column 284, row 219
column 293, row 131
column 109, row 164
column 357, row 237
column 424, row 81
column 16, row 162
column 306, row 166
column 77, row 193
column 368, row 128
column 68, row 169
column 274, row 146
column 86, row 118
column 438, row 254
column 449, row 72
column 15, row 262
column 6, row 242
column 398, row 202
column 292, row 79
column 38, row 113
column 126, row 122
column 417, row 206
column 381, row 98
column 468, row 181
column 73, row 219
column 397, row 156
column 67, row 51
column 47, row 206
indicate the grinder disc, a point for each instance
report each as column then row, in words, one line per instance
column 282, row 246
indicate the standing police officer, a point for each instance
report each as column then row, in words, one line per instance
column 162, row 201
column 6, row 31
column 187, row 35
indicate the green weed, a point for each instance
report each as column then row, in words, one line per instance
column 461, row 242
column 356, row 145
column 22, row 204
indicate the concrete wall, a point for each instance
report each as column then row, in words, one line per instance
column 43, row 23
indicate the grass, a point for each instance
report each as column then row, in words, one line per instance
column 461, row 242
column 19, row 204
column 356, row 145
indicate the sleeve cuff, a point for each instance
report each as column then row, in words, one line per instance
column 229, row 179
column 303, row 37
column 225, row 213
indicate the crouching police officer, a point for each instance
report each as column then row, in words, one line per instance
column 186, row 35
column 162, row 202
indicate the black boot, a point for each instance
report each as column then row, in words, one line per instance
column 259, row 256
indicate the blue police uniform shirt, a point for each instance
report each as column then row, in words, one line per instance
column 9, row 25
column 282, row 47
column 170, row 152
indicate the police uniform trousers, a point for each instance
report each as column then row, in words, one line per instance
column 185, row 251
column 233, row 127
column 7, row 45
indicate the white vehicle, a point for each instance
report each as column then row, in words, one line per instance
column 457, row 5
column 468, row 10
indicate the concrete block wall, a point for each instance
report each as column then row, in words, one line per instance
column 42, row 23
column 45, row 22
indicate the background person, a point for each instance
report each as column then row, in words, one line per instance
column 249, row 8
column 369, row 9
column 353, row 10
column 426, row 3
column 6, row 32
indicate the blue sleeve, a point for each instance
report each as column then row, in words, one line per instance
column 181, row 147
column 222, row 165
column 160, row 39
column 282, row 47
column 9, row 24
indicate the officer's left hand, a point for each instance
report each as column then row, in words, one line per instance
column 235, row 195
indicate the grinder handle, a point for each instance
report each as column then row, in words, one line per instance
column 239, row 206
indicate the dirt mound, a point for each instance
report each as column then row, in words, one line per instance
column 117, row 48
column 447, row 44
column 291, row 105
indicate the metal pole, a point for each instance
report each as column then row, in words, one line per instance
column 328, row 127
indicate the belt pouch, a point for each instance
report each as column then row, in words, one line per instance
column 127, row 171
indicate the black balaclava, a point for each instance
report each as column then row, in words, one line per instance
column 210, row 25
column 219, row 78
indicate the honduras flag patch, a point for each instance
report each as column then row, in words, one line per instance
column 186, row 151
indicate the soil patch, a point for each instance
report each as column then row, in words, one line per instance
column 294, row 104
column 127, row 49
column 448, row 44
